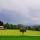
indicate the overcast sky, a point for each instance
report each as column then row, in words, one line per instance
column 20, row 11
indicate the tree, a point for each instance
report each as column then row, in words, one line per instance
column 11, row 26
column 15, row 27
column 1, row 23
column 23, row 30
column 37, row 28
column 20, row 26
column 29, row 28
column 6, row 26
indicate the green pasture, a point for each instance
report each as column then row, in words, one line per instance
column 19, row 38
column 18, row 33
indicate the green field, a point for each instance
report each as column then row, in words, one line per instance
column 19, row 38
column 18, row 33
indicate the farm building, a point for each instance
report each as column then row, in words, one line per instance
column 1, row 27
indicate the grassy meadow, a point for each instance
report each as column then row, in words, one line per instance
column 18, row 33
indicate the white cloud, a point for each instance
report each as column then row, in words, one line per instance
column 29, row 10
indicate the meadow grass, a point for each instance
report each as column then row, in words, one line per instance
column 19, row 38
column 18, row 33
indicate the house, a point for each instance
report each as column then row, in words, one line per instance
column 1, row 27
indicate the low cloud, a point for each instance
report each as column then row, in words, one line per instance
column 20, row 11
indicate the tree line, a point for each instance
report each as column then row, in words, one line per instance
column 19, row 26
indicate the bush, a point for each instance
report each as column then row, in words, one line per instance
column 29, row 28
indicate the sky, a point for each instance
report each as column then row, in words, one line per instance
column 20, row 11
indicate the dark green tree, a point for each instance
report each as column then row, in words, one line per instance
column 6, row 26
column 23, row 29
column 1, row 23
column 29, row 28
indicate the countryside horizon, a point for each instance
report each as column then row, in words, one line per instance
column 19, row 19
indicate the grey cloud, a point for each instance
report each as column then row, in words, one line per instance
column 23, row 11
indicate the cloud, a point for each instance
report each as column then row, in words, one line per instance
column 20, row 11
